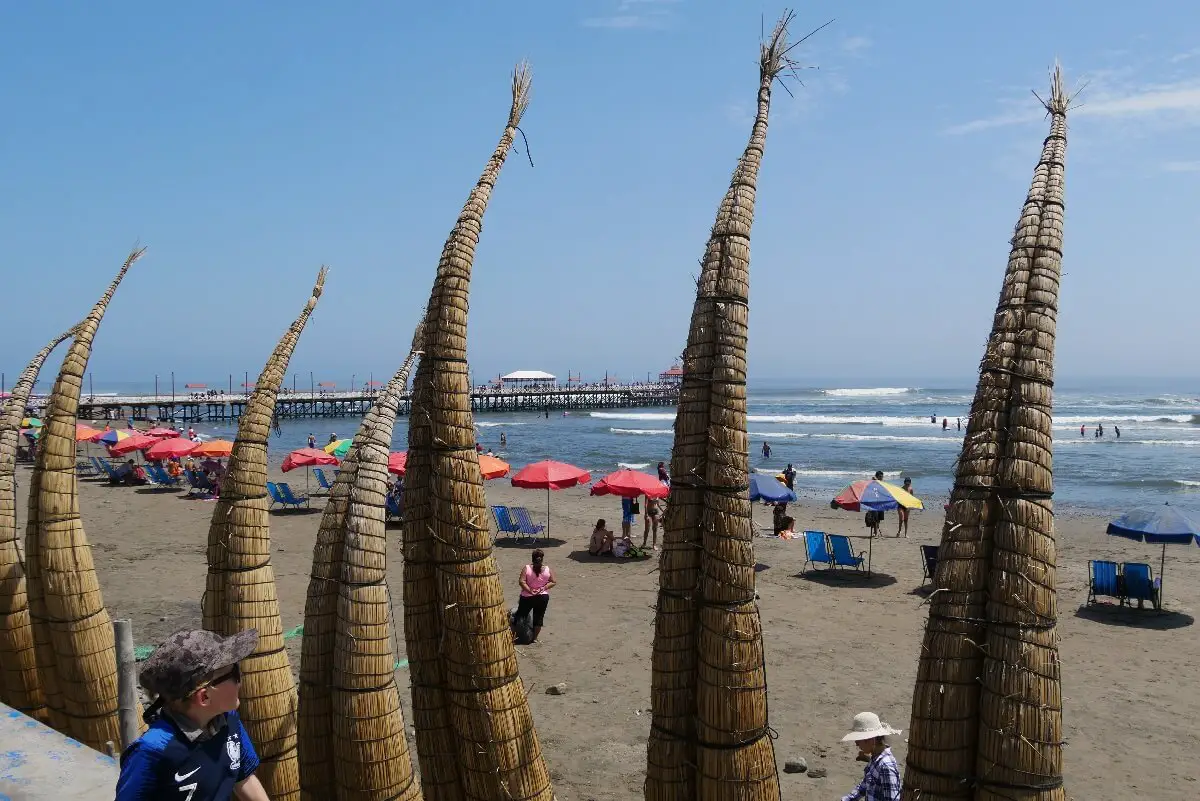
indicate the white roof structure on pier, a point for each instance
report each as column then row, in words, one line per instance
column 527, row 375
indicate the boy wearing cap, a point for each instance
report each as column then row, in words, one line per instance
column 196, row 748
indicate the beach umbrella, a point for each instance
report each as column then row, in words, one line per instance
column 73, row 635
column 111, row 436
column 84, row 433
column 31, row 422
column 709, row 731
column 20, row 686
column 1164, row 524
column 338, row 448
column 162, row 433
column 466, row 698
column 174, row 448
column 138, row 442
column 214, row 448
column 769, row 489
column 240, row 591
column 987, row 703
column 550, row 475
column 30, row 433
column 307, row 458
column 875, row 496
column 489, row 466
column 320, row 646
column 630, row 484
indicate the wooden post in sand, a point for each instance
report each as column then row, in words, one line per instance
column 127, row 705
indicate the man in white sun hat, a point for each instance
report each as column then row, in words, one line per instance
column 881, row 778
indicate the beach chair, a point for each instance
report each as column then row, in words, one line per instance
column 85, row 469
column 199, row 482
column 843, row 555
column 1139, row 584
column 106, row 469
column 322, row 481
column 525, row 524
column 1103, row 580
column 816, row 551
column 288, row 498
column 504, row 523
column 929, row 555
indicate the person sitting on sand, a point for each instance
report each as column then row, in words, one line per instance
column 623, row 546
column 778, row 513
column 786, row 529
column 881, row 777
column 602, row 540
column 174, row 469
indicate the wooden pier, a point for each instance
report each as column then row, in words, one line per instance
column 290, row 405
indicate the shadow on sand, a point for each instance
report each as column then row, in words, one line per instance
column 1130, row 617
column 528, row 543
column 848, row 578
column 584, row 557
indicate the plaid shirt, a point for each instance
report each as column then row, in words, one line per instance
column 881, row 780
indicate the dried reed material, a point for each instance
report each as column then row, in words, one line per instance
column 316, row 714
column 1020, row 702
column 987, row 704
column 240, row 588
column 73, row 636
column 461, row 657
column 371, row 757
column 709, row 733
column 19, row 685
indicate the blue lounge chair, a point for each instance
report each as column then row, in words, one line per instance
column 843, row 556
column 85, row 469
column 525, row 524
column 200, row 483
column 276, row 495
column 322, row 481
column 815, row 550
column 1139, row 584
column 504, row 523
column 929, row 554
column 1103, row 581
column 288, row 498
column 106, row 469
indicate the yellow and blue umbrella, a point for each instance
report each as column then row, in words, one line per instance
column 31, row 422
column 875, row 496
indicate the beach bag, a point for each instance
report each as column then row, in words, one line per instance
column 522, row 626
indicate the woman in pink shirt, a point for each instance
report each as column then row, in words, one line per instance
column 536, row 580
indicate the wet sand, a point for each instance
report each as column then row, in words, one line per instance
column 834, row 647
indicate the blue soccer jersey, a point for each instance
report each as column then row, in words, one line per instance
column 165, row 764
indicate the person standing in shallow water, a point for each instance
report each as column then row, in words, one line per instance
column 536, row 581
column 766, row 450
column 312, row 441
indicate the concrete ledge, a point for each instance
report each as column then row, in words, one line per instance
column 39, row 764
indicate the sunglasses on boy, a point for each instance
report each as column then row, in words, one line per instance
column 234, row 674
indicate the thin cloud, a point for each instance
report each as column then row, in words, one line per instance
column 1166, row 104
column 634, row 14
column 1181, row 166
column 856, row 45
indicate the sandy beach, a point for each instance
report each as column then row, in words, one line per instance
column 834, row 647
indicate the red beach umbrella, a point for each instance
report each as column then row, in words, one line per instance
column 308, row 457
column 631, row 484
column 489, row 466
column 173, row 448
column 162, row 433
column 550, row 476
column 137, row 442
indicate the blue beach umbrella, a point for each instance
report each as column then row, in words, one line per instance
column 768, row 488
column 1164, row 524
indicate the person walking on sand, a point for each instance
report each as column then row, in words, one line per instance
column 651, row 523
column 536, row 581
column 196, row 747
column 902, row 510
column 881, row 776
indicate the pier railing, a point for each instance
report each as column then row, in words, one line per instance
column 217, row 405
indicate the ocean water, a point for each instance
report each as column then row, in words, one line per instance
column 835, row 435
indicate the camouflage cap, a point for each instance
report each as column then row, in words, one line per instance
column 182, row 661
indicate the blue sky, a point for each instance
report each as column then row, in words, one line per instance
column 246, row 146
